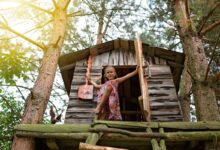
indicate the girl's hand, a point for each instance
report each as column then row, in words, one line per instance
column 88, row 78
column 137, row 67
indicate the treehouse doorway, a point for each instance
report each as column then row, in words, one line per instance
column 129, row 91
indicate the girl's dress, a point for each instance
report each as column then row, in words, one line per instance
column 111, row 110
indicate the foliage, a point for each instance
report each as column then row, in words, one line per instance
column 15, row 61
column 117, row 19
column 10, row 115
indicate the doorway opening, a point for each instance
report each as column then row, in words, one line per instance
column 129, row 91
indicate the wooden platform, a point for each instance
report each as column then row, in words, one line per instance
column 130, row 135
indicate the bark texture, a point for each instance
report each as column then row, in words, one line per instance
column 37, row 100
column 204, row 94
column 185, row 89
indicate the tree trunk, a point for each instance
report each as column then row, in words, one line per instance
column 37, row 100
column 185, row 88
column 204, row 94
column 101, row 16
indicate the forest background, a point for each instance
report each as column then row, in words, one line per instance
column 29, row 29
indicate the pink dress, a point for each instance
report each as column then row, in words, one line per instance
column 111, row 110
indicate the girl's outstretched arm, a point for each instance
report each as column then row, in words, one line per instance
column 94, row 83
column 122, row 79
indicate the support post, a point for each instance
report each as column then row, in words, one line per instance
column 94, row 137
column 154, row 143
column 162, row 141
column 142, row 79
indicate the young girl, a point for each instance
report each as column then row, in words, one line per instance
column 108, row 107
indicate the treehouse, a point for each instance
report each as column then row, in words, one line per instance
column 156, row 124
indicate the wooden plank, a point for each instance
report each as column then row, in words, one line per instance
column 162, row 98
column 143, row 81
column 160, row 69
column 163, row 53
column 163, row 112
column 167, row 118
column 81, row 63
column 131, row 59
column 96, row 60
column 125, row 57
column 78, row 121
column 113, row 58
column 156, row 59
column 163, row 61
column 124, row 45
column 105, row 58
column 121, row 58
column 164, row 104
column 104, row 47
column 116, row 44
column 83, row 146
column 79, row 115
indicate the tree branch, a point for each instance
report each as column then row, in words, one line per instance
column 8, row 105
column 67, row 4
column 39, row 8
column 28, row 4
column 37, row 27
column 6, row 27
column 210, row 27
column 78, row 13
column 205, row 18
column 212, row 57
column 107, row 24
column 22, row 96
column 20, row 86
column 54, row 3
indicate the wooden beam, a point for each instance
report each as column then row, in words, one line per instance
column 68, row 67
column 93, row 138
column 84, row 128
column 84, row 146
column 154, row 143
column 142, row 79
column 169, row 136
column 162, row 141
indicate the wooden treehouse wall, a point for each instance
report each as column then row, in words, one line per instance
column 163, row 98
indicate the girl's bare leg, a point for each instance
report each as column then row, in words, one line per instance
column 104, row 99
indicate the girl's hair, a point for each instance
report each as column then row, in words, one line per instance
column 116, row 75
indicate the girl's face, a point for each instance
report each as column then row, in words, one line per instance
column 110, row 73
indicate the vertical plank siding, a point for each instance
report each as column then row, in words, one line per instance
column 163, row 98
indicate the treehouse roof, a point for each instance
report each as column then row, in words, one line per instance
column 67, row 62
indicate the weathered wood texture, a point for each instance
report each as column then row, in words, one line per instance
column 84, row 146
column 81, row 111
column 174, row 59
column 132, row 135
column 163, row 99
